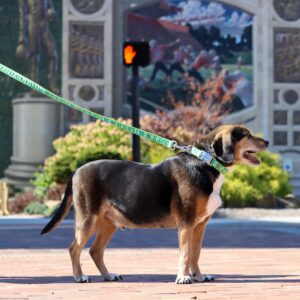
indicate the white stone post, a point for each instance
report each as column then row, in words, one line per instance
column 35, row 126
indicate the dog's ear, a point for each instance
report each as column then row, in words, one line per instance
column 223, row 148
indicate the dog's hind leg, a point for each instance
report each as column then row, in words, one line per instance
column 84, row 231
column 105, row 231
column 198, row 235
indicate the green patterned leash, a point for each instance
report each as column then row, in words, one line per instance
column 171, row 144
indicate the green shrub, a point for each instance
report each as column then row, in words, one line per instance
column 51, row 210
column 85, row 143
column 36, row 208
column 21, row 200
column 248, row 186
column 42, row 183
column 245, row 186
column 154, row 153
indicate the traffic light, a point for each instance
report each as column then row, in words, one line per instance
column 136, row 53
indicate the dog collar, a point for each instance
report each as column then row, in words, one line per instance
column 205, row 156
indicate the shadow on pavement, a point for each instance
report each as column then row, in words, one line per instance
column 230, row 278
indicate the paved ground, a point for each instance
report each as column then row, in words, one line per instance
column 250, row 259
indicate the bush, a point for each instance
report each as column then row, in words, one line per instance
column 247, row 186
column 51, row 210
column 207, row 106
column 185, row 123
column 21, row 201
column 55, row 191
column 154, row 153
column 36, row 208
column 42, row 183
column 85, row 143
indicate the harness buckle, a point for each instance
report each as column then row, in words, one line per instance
column 206, row 157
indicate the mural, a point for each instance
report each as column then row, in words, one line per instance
column 194, row 41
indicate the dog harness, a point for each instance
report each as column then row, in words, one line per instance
column 171, row 144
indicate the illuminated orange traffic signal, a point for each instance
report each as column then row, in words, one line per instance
column 129, row 54
column 136, row 53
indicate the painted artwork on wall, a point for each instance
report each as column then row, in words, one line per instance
column 193, row 42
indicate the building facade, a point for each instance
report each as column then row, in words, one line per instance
column 252, row 42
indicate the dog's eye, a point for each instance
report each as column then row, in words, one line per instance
column 240, row 133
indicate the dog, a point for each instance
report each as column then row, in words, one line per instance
column 180, row 192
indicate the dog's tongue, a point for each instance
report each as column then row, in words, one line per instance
column 252, row 157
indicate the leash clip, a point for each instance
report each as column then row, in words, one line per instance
column 187, row 149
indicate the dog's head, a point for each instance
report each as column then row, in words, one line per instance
column 235, row 144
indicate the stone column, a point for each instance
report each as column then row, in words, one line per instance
column 35, row 126
column 87, row 59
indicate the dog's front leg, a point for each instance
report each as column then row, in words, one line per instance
column 198, row 235
column 185, row 235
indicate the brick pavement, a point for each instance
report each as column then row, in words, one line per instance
column 235, row 253
column 150, row 273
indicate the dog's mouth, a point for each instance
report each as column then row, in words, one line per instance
column 251, row 156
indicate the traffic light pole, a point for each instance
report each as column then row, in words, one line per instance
column 136, row 54
column 135, row 113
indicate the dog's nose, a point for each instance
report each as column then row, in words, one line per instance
column 267, row 143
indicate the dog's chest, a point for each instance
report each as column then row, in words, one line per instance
column 214, row 199
column 212, row 202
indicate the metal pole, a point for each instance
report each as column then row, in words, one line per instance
column 135, row 113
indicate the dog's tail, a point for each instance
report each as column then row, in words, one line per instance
column 63, row 209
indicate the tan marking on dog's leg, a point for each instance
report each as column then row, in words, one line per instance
column 104, row 234
column 198, row 235
column 81, row 238
column 185, row 235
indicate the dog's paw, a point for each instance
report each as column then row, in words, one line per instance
column 202, row 278
column 184, row 280
column 81, row 279
column 112, row 277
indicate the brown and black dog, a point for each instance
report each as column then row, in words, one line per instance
column 181, row 192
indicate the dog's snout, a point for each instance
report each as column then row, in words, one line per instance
column 267, row 143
